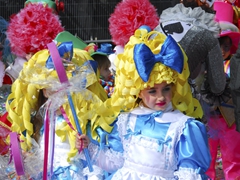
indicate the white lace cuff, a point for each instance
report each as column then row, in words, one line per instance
column 187, row 174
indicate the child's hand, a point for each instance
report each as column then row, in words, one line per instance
column 82, row 141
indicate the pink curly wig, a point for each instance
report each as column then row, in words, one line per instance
column 32, row 29
column 128, row 16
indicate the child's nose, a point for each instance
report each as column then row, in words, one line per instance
column 160, row 96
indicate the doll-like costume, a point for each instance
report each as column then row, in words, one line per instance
column 155, row 145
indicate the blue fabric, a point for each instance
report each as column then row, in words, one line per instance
column 170, row 55
column 64, row 173
column 110, row 140
column 192, row 147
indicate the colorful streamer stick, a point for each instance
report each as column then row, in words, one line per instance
column 64, row 80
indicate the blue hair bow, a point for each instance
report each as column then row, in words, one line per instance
column 170, row 55
column 65, row 50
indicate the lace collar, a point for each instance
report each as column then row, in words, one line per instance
column 169, row 114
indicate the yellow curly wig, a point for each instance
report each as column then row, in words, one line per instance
column 128, row 83
column 22, row 103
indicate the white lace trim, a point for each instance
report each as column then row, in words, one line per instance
column 187, row 174
column 126, row 173
column 122, row 124
column 196, row 16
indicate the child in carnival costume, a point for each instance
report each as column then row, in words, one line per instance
column 152, row 66
column 38, row 89
column 20, row 39
column 22, row 35
column 101, row 56
column 199, row 25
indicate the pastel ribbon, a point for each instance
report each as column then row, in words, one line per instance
column 161, row 143
column 16, row 153
column 46, row 143
column 64, row 173
column 151, row 118
column 170, row 55
column 130, row 133
column 65, row 51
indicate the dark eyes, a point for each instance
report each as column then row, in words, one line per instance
column 152, row 91
column 165, row 89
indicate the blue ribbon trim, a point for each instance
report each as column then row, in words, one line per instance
column 167, row 142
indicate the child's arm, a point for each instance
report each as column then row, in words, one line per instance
column 104, row 155
column 193, row 152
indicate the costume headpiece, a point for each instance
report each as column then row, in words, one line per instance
column 128, row 16
column 49, row 3
column 105, row 49
column 66, row 36
column 132, row 76
column 31, row 29
column 224, row 15
column 39, row 73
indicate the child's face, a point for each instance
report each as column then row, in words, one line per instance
column 105, row 72
column 157, row 97
column 226, row 45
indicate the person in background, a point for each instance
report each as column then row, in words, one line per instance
column 195, row 29
column 223, row 137
column 106, row 77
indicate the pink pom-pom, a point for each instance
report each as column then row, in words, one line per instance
column 128, row 16
column 32, row 29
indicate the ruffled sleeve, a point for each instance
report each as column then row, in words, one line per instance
column 193, row 152
column 110, row 151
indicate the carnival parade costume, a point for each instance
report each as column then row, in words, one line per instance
column 38, row 74
column 133, row 149
column 20, row 37
column 147, row 154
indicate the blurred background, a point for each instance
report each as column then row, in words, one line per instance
column 88, row 19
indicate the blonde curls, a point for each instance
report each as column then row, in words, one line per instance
column 128, row 83
column 22, row 103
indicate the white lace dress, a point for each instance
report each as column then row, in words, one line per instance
column 155, row 145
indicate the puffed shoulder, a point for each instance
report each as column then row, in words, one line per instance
column 192, row 148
